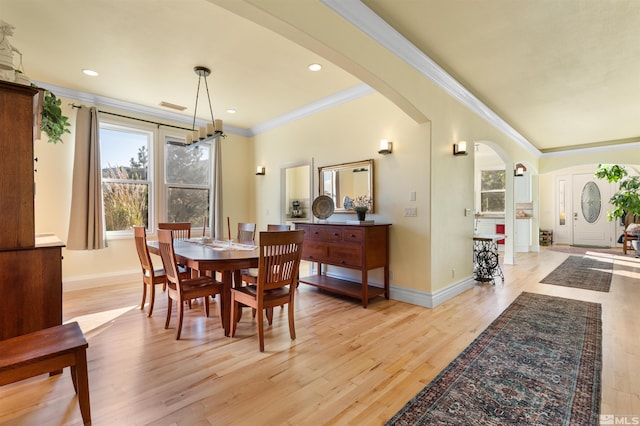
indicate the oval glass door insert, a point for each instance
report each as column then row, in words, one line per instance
column 591, row 202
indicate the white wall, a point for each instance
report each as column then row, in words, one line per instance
column 351, row 132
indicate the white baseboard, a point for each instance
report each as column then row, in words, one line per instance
column 421, row 298
column 431, row 300
column 100, row 280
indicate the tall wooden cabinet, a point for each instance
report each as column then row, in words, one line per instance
column 361, row 247
column 30, row 271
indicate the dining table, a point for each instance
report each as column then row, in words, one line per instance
column 226, row 257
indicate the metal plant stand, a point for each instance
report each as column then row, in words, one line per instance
column 486, row 265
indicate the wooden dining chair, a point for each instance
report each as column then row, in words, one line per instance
column 246, row 233
column 150, row 276
column 278, row 265
column 250, row 276
column 182, row 230
column 182, row 290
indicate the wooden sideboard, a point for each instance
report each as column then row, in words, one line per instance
column 362, row 247
column 30, row 266
column 31, row 287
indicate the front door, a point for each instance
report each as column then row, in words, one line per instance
column 590, row 204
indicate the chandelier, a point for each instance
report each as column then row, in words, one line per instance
column 212, row 130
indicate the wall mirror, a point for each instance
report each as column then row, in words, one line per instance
column 347, row 181
column 295, row 192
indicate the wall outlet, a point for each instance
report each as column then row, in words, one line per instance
column 412, row 196
column 411, row 211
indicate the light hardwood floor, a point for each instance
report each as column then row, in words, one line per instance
column 348, row 365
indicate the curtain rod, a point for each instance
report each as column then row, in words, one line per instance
column 138, row 119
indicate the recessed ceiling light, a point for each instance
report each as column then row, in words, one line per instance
column 91, row 73
column 315, row 67
column 231, row 111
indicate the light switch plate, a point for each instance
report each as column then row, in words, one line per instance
column 410, row 212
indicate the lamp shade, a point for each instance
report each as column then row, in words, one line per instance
column 460, row 148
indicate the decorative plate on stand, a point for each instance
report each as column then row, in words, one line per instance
column 322, row 207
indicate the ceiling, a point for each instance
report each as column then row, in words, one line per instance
column 563, row 74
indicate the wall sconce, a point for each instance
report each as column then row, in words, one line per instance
column 386, row 147
column 460, row 148
column 519, row 170
column 260, row 170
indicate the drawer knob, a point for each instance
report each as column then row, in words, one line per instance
column 335, row 234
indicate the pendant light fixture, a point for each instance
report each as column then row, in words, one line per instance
column 212, row 130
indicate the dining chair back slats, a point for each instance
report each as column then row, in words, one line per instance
column 250, row 276
column 182, row 230
column 279, row 262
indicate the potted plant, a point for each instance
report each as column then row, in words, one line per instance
column 626, row 200
column 361, row 206
column 53, row 123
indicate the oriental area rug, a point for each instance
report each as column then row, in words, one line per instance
column 584, row 272
column 538, row 363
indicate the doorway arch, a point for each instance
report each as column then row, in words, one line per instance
column 521, row 222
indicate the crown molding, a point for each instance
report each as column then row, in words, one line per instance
column 304, row 111
column 590, row 150
column 106, row 102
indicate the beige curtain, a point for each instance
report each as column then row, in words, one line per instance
column 216, row 197
column 86, row 230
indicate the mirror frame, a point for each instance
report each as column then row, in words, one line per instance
column 366, row 164
column 283, row 190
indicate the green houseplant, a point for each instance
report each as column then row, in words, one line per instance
column 626, row 200
column 54, row 123
column 361, row 206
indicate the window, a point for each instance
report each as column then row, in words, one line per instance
column 188, row 182
column 492, row 193
column 126, row 172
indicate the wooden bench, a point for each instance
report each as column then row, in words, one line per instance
column 48, row 351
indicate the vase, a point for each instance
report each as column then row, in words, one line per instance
column 362, row 214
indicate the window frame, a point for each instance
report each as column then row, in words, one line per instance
column 164, row 138
column 481, row 191
column 151, row 133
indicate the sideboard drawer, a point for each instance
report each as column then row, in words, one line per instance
column 355, row 235
column 325, row 233
column 348, row 255
column 313, row 251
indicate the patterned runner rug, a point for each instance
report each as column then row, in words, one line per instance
column 582, row 272
column 538, row 363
